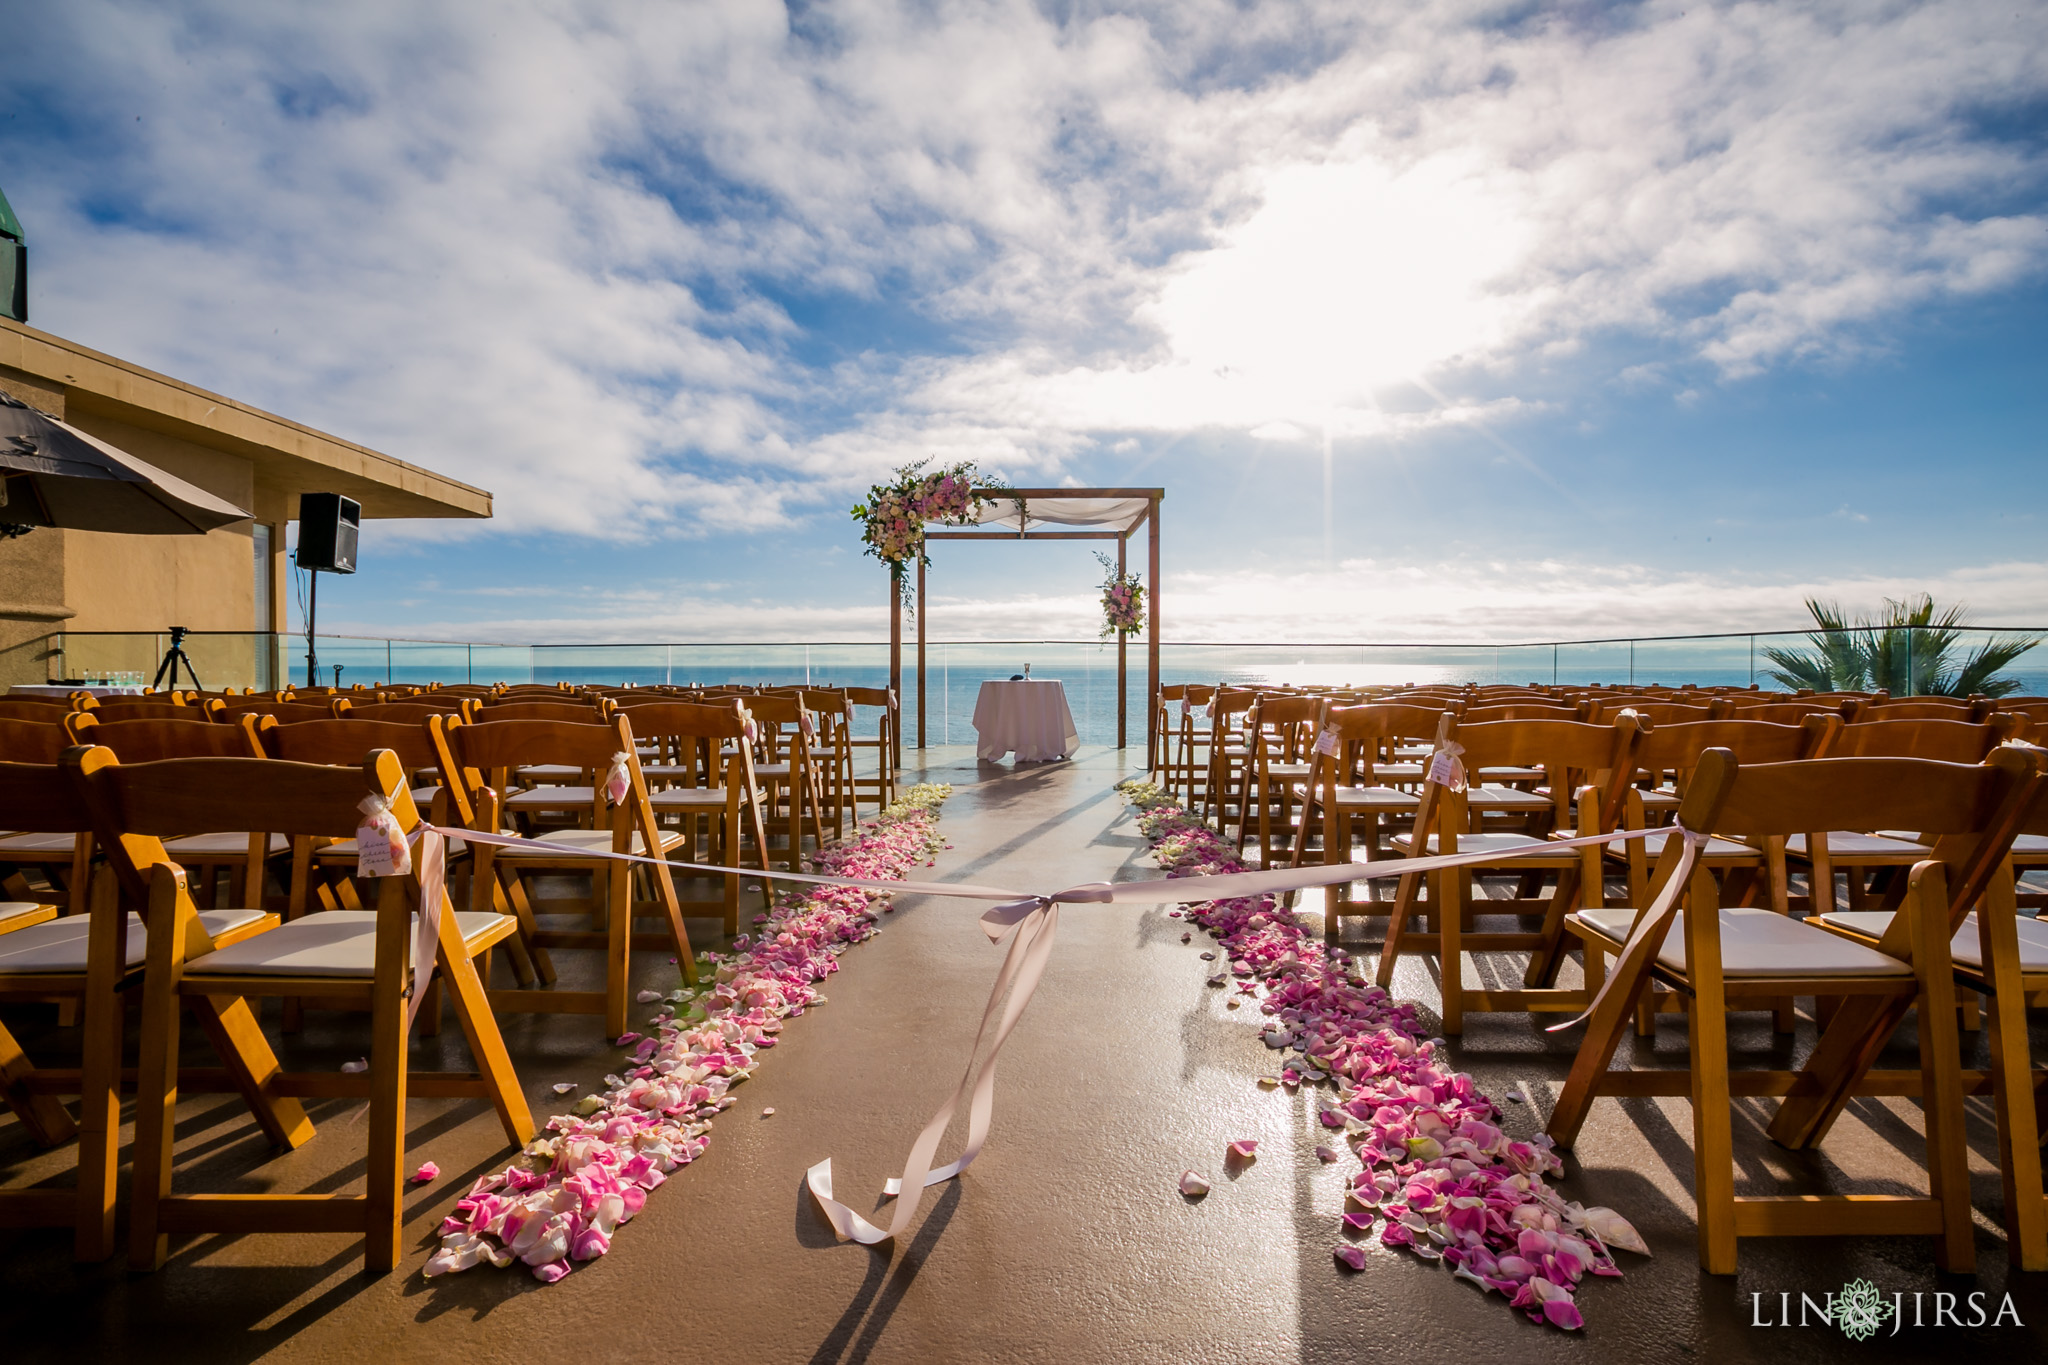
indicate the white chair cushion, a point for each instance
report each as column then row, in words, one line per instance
column 665, row 772
column 2031, row 845
column 1398, row 772
column 16, row 909
column 1376, row 798
column 1285, row 770
column 1505, row 798
column 1413, row 751
column 552, row 798
column 59, row 945
column 231, row 844
column 1512, row 774
column 1964, row 948
column 1659, row 799
column 326, row 943
column 1759, row 944
column 1842, row 844
column 344, row 850
column 598, row 839
column 772, row 772
column 1717, row 847
column 550, row 772
column 1479, row 843
column 693, row 798
column 37, row 843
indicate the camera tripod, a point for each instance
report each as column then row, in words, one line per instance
column 167, row 671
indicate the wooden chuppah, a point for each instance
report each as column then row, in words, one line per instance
column 1017, row 510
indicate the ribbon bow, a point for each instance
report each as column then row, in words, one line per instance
column 382, row 850
column 1445, row 767
column 617, row 781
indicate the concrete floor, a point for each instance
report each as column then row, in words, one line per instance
column 1067, row 1242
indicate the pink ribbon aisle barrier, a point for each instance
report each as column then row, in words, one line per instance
column 1036, row 919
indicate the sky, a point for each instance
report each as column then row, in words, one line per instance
column 1455, row 321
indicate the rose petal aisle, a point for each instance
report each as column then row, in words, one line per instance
column 1438, row 1175
column 566, row 1196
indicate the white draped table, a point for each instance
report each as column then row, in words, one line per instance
column 1030, row 717
column 65, row 690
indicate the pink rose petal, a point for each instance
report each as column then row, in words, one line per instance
column 426, row 1174
column 1352, row 1256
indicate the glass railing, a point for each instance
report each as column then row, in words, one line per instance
column 1907, row 662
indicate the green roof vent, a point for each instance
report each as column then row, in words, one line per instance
column 13, row 265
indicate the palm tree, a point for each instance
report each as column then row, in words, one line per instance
column 1836, row 665
column 1908, row 651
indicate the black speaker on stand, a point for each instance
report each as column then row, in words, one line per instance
column 329, row 526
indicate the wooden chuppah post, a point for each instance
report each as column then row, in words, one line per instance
column 1120, row 664
column 920, row 651
column 896, row 653
column 1152, row 627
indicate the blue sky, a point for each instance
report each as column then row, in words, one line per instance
column 1608, row 319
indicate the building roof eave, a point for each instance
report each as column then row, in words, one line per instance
column 287, row 455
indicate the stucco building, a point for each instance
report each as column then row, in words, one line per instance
column 59, row 587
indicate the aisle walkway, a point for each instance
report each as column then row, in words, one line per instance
column 1067, row 1243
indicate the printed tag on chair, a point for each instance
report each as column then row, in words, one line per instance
column 803, row 720
column 1326, row 742
column 381, row 849
column 1445, row 770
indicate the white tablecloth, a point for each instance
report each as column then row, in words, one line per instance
column 40, row 690
column 1029, row 717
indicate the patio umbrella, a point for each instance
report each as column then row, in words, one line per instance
column 53, row 474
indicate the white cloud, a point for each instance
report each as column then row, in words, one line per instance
column 546, row 248
column 1361, row 601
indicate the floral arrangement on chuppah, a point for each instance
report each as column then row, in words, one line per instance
column 1123, row 601
column 895, row 514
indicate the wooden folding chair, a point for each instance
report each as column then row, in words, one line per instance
column 413, row 710
column 1160, row 736
column 43, row 710
column 1747, row 871
column 1589, row 764
column 2003, row 955
column 1722, row 955
column 1351, row 783
column 1873, row 862
column 322, row 876
column 833, row 748
column 1188, row 775
column 44, row 958
column 881, row 786
column 689, row 736
column 241, row 858
column 154, row 710
column 1226, row 751
column 90, row 961
column 786, row 763
column 364, row 956
column 479, row 757
column 1281, row 732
